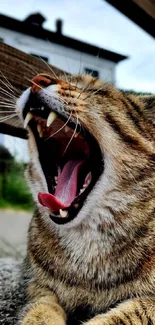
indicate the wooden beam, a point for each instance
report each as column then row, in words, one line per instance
column 17, row 69
column 147, row 5
column 13, row 131
column 136, row 13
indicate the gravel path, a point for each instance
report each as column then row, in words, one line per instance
column 13, row 232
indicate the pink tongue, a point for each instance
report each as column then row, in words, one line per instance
column 66, row 189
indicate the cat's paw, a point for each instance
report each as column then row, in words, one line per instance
column 106, row 320
column 42, row 315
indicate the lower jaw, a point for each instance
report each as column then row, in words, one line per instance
column 72, row 212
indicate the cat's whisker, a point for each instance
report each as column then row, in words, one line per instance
column 8, row 103
column 72, row 134
column 49, row 67
column 6, row 111
column 6, row 85
column 7, row 100
column 79, row 67
column 8, row 82
column 83, row 89
column 17, row 123
column 67, row 80
column 8, row 106
column 5, row 92
column 30, row 68
column 7, row 118
column 93, row 93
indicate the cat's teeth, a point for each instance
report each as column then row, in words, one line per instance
column 39, row 129
column 82, row 190
column 56, row 179
column 51, row 117
column 42, row 108
column 67, row 128
column 28, row 117
column 41, row 133
column 63, row 213
column 88, row 178
column 59, row 170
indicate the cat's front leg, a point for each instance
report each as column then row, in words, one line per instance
column 131, row 312
column 43, row 309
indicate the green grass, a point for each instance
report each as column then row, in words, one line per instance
column 14, row 192
column 15, row 206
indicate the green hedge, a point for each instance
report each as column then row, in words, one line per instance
column 13, row 188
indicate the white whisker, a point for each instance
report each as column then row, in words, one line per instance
column 94, row 92
column 9, row 101
column 30, row 67
column 6, row 111
column 49, row 67
column 72, row 134
column 2, row 90
column 7, row 118
column 6, row 85
column 8, row 82
column 7, row 105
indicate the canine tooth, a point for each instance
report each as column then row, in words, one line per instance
column 39, row 128
column 66, row 128
column 63, row 213
column 42, row 108
column 82, row 190
column 51, row 117
column 56, row 179
column 28, row 117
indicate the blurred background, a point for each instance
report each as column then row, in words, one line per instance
column 112, row 40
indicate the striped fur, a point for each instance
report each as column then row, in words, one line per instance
column 99, row 269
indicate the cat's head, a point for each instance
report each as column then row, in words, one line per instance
column 90, row 145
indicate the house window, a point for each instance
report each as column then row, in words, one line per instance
column 93, row 73
column 44, row 58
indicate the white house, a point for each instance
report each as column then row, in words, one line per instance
column 58, row 50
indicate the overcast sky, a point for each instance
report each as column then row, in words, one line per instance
column 98, row 23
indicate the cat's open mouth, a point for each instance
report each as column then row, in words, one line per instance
column 70, row 158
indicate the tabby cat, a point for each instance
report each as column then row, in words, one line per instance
column 91, row 242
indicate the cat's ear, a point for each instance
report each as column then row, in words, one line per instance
column 149, row 106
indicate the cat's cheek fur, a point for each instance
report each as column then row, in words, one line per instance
column 21, row 101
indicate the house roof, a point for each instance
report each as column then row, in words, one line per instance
column 37, row 31
column 141, row 12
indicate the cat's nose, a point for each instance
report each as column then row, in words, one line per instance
column 42, row 81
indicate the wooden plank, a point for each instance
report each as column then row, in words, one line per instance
column 136, row 11
column 147, row 5
column 18, row 68
column 13, row 131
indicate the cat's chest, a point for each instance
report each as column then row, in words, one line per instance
column 82, row 274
